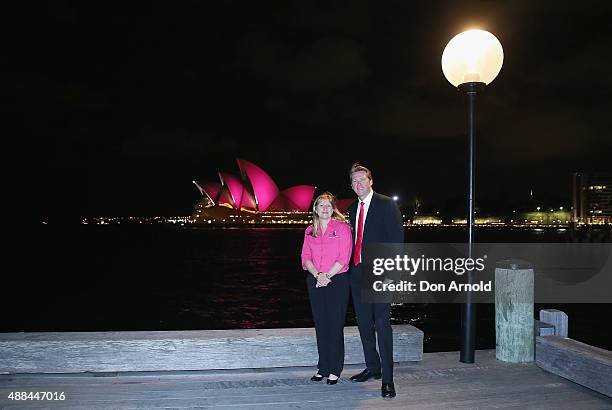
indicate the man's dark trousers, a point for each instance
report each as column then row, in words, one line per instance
column 373, row 320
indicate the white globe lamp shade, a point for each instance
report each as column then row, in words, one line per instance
column 474, row 56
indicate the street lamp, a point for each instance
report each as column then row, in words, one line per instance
column 470, row 62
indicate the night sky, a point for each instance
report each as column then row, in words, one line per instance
column 117, row 107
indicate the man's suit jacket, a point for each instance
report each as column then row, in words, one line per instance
column 383, row 222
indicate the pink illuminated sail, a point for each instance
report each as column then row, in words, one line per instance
column 210, row 189
column 282, row 203
column 225, row 198
column 300, row 196
column 248, row 201
column 264, row 188
column 344, row 204
column 235, row 187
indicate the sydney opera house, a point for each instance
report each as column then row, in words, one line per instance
column 254, row 197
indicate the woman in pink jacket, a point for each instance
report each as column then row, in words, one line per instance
column 325, row 255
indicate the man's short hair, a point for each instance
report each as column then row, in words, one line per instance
column 357, row 167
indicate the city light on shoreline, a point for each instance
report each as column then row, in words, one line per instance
column 554, row 219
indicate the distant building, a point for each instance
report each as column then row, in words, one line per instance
column 592, row 197
column 491, row 220
column 544, row 217
column 427, row 220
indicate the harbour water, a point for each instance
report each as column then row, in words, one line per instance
column 165, row 277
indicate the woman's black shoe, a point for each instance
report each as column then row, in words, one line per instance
column 332, row 381
column 316, row 378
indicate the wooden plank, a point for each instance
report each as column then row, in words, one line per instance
column 543, row 329
column 556, row 318
column 183, row 350
column 587, row 365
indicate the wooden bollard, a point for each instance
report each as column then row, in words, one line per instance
column 514, row 322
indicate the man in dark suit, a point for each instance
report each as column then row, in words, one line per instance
column 374, row 218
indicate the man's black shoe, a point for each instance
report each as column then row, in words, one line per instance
column 365, row 376
column 388, row 390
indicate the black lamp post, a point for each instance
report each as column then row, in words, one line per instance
column 471, row 60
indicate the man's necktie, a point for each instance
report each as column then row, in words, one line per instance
column 357, row 254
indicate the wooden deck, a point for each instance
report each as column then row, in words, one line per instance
column 440, row 381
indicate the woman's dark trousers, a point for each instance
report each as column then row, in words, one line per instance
column 329, row 305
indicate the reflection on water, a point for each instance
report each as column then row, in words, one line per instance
column 162, row 277
column 246, row 279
